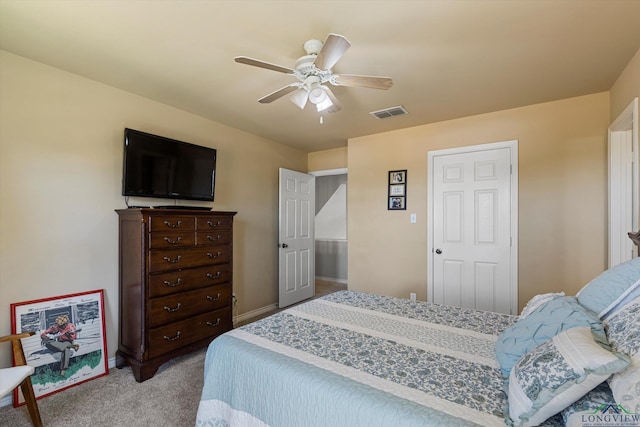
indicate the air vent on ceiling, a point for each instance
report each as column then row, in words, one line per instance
column 389, row 112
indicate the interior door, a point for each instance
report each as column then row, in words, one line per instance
column 472, row 258
column 296, row 237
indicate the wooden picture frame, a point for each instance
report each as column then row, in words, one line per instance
column 397, row 194
column 63, row 354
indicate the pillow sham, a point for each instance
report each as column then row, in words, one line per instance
column 597, row 400
column 537, row 301
column 604, row 292
column 544, row 323
column 554, row 375
column 623, row 330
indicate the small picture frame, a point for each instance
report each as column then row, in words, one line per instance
column 396, row 190
column 398, row 177
column 397, row 203
column 69, row 346
column 397, row 195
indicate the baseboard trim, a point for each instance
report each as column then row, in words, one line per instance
column 332, row 279
column 253, row 313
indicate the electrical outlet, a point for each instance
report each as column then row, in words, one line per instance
column 412, row 295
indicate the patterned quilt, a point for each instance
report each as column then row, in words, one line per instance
column 355, row 359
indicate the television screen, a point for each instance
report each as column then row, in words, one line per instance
column 155, row 166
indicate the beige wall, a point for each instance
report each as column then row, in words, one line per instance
column 562, row 196
column 335, row 158
column 626, row 87
column 61, row 139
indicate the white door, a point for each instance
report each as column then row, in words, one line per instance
column 472, row 205
column 296, row 237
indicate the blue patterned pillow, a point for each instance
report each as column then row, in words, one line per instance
column 544, row 323
column 603, row 293
column 554, row 375
column 623, row 330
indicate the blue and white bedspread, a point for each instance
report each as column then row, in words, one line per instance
column 352, row 359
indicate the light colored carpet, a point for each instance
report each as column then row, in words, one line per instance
column 169, row 399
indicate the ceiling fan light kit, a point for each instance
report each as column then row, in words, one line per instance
column 299, row 97
column 313, row 71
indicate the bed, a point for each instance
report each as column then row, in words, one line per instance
column 356, row 359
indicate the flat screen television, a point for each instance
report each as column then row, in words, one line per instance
column 155, row 166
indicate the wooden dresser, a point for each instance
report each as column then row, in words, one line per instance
column 175, row 269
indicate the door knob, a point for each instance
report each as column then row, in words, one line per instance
column 283, row 245
column 438, row 251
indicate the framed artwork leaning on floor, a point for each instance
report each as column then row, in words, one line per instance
column 69, row 346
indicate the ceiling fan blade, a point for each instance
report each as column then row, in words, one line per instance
column 279, row 93
column 353, row 80
column 263, row 64
column 334, row 47
column 336, row 106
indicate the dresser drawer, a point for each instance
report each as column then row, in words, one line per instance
column 171, row 308
column 175, row 223
column 175, row 335
column 213, row 237
column 185, row 280
column 174, row 259
column 214, row 223
column 171, row 239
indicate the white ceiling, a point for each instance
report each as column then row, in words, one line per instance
column 448, row 59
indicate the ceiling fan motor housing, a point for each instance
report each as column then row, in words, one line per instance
column 305, row 65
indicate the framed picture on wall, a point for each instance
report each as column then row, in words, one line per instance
column 397, row 203
column 69, row 346
column 398, row 177
column 396, row 190
column 397, row 195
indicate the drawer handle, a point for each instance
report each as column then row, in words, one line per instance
column 213, row 239
column 172, row 261
column 172, row 285
column 210, row 255
column 212, row 299
column 213, row 324
column 170, row 225
column 214, row 276
column 171, row 310
column 173, row 242
column 172, row 338
column 211, row 224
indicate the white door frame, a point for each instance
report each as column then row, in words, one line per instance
column 329, row 172
column 513, row 146
column 624, row 184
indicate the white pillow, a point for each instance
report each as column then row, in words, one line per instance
column 623, row 332
column 557, row 373
column 537, row 301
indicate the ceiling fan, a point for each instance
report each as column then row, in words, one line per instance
column 314, row 70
